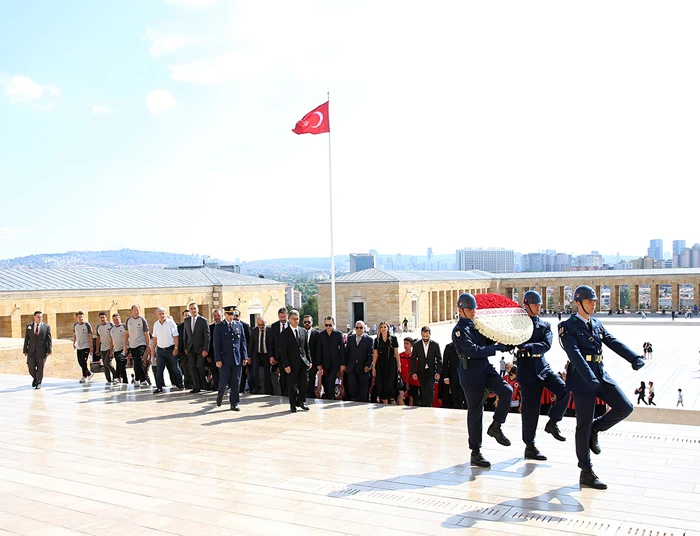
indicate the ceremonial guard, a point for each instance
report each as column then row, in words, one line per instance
column 533, row 374
column 476, row 374
column 583, row 337
column 231, row 353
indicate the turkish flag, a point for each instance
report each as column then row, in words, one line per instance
column 315, row 122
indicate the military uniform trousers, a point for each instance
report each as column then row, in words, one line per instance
column 474, row 393
column 620, row 408
column 230, row 376
column 531, row 395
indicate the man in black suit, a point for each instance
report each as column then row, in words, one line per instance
column 312, row 336
column 329, row 356
column 197, row 338
column 357, row 362
column 426, row 365
column 210, row 362
column 257, row 352
column 452, row 394
column 37, row 347
column 294, row 352
column 245, row 374
column 279, row 376
column 182, row 356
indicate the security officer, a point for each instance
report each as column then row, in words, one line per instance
column 476, row 374
column 231, row 353
column 534, row 374
column 582, row 337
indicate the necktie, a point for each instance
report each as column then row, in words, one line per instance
column 260, row 342
column 36, row 331
column 590, row 326
column 357, row 340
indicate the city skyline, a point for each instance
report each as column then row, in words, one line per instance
column 122, row 117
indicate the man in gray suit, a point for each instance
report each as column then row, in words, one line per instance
column 197, row 338
column 37, row 347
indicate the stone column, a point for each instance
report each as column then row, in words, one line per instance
column 654, row 297
column 675, row 296
column 597, row 293
column 614, row 297
column 561, row 298
column 543, row 293
column 16, row 325
column 634, row 298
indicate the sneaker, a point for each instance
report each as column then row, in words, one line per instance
column 90, row 376
column 82, row 379
column 115, row 382
column 144, row 383
column 158, row 390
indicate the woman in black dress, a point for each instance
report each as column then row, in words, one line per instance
column 641, row 393
column 386, row 365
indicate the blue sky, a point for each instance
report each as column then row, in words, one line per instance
column 166, row 125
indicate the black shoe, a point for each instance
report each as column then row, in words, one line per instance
column 194, row 391
column 292, row 409
column 304, row 407
column 255, row 391
column 33, row 383
column 553, row 429
column 219, row 400
column 531, row 453
column 298, row 404
column 235, row 408
column 496, row 432
column 593, row 442
column 590, row 479
column 158, row 390
column 478, row 460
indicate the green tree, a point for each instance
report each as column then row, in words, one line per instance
column 310, row 307
column 624, row 297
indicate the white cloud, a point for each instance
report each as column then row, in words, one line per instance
column 22, row 89
column 159, row 101
column 164, row 43
column 191, row 3
column 100, row 109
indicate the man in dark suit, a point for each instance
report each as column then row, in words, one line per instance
column 312, row 336
column 197, row 337
column 37, row 347
column 452, row 395
column 357, row 362
column 210, row 362
column 294, row 352
column 182, row 356
column 278, row 375
column 329, row 356
column 245, row 375
column 426, row 366
column 257, row 353
column 231, row 352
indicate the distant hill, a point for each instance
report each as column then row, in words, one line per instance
column 122, row 258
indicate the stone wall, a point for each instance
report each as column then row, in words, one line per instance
column 62, row 363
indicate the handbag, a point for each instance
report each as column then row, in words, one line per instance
column 400, row 385
column 96, row 364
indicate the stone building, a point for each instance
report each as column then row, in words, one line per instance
column 60, row 293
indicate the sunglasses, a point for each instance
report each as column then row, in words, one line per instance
column 328, row 325
column 359, row 327
column 307, row 322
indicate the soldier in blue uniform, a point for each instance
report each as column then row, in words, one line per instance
column 231, row 354
column 583, row 337
column 534, row 374
column 476, row 374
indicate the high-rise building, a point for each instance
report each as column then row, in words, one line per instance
column 361, row 261
column 656, row 249
column 678, row 246
column 488, row 260
column 430, row 255
column 593, row 260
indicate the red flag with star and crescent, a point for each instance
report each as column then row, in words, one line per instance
column 315, row 122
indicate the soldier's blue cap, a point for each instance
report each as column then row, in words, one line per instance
column 466, row 301
column 584, row 292
column 532, row 297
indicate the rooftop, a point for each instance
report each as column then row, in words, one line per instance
column 15, row 280
column 374, row 275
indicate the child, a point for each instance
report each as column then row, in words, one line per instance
column 680, row 398
column 412, row 386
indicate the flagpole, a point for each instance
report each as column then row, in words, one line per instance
column 330, row 193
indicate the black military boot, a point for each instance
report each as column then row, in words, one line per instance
column 531, row 453
column 478, row 460
column 593, row 442
column 589, row 479
column 553, row 429
column 496, row 432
